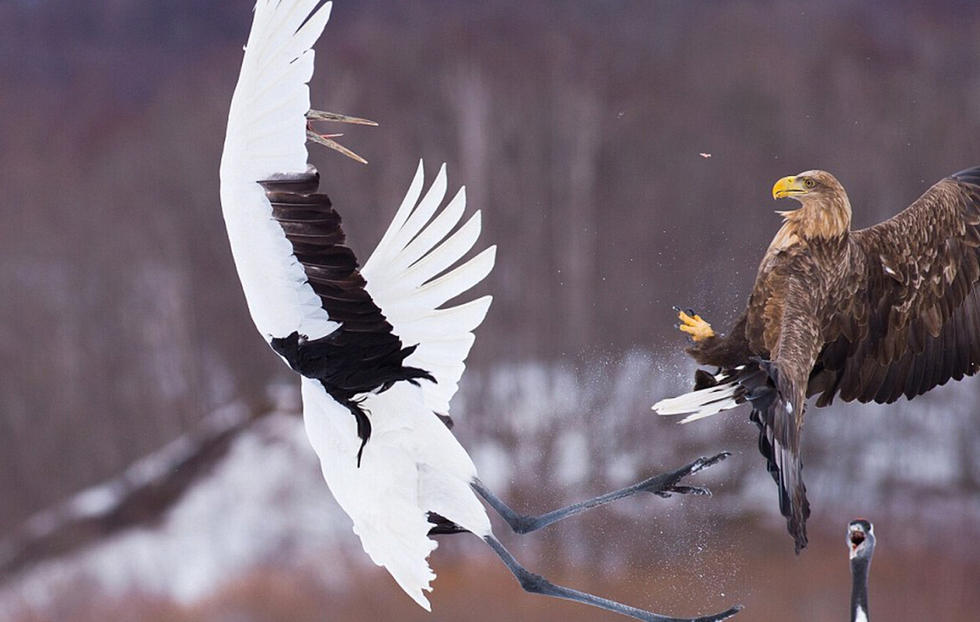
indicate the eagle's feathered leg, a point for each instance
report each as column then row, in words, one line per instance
column 723, row 351
column 721, row 390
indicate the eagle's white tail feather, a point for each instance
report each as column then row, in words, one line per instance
column 702, row 403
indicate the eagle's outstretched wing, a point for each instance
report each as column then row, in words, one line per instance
column 915, row 321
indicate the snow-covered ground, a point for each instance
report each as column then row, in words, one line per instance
column 264, row 501
column 551, row 433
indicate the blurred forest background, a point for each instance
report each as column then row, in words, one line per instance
column 578, row 129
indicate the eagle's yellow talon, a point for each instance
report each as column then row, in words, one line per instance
column 694, row 326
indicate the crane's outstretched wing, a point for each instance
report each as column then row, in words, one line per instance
column 266, row 137
column 301, row 282
column 410, row 276
column 916, row 320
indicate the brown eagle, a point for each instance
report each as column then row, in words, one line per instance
column 867, row 315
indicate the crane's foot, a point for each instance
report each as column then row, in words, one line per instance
column 694, row 325
column 327, row 140
column 669, row 483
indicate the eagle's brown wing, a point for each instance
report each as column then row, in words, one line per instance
column 779, row 413
column 915, row 323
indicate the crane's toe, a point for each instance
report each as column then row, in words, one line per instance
column 724, row 615
column 666, row 484
column 703, row 463
column 684, row 490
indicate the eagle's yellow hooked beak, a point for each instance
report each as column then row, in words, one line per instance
column 787, row 187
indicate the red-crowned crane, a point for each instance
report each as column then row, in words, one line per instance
column 860, row 548
column 379, row 357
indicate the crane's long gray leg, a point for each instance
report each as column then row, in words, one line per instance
column 662, row 485
column 536, row 584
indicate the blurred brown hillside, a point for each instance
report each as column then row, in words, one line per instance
column 576, row 127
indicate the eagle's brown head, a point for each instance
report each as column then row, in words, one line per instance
column 826, row 211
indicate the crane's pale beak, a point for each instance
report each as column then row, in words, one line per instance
column 787, row 187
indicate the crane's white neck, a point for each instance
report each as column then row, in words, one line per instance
column 859, row 589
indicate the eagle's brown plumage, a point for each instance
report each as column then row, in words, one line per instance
column 866, row 315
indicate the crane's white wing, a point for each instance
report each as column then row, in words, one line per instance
column 266, row 137
column 410, row 276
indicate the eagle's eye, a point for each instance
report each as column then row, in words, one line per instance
column 809, row 183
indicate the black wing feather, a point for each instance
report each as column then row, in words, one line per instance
column 361, row 356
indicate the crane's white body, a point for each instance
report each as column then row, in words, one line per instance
column 412, row 463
